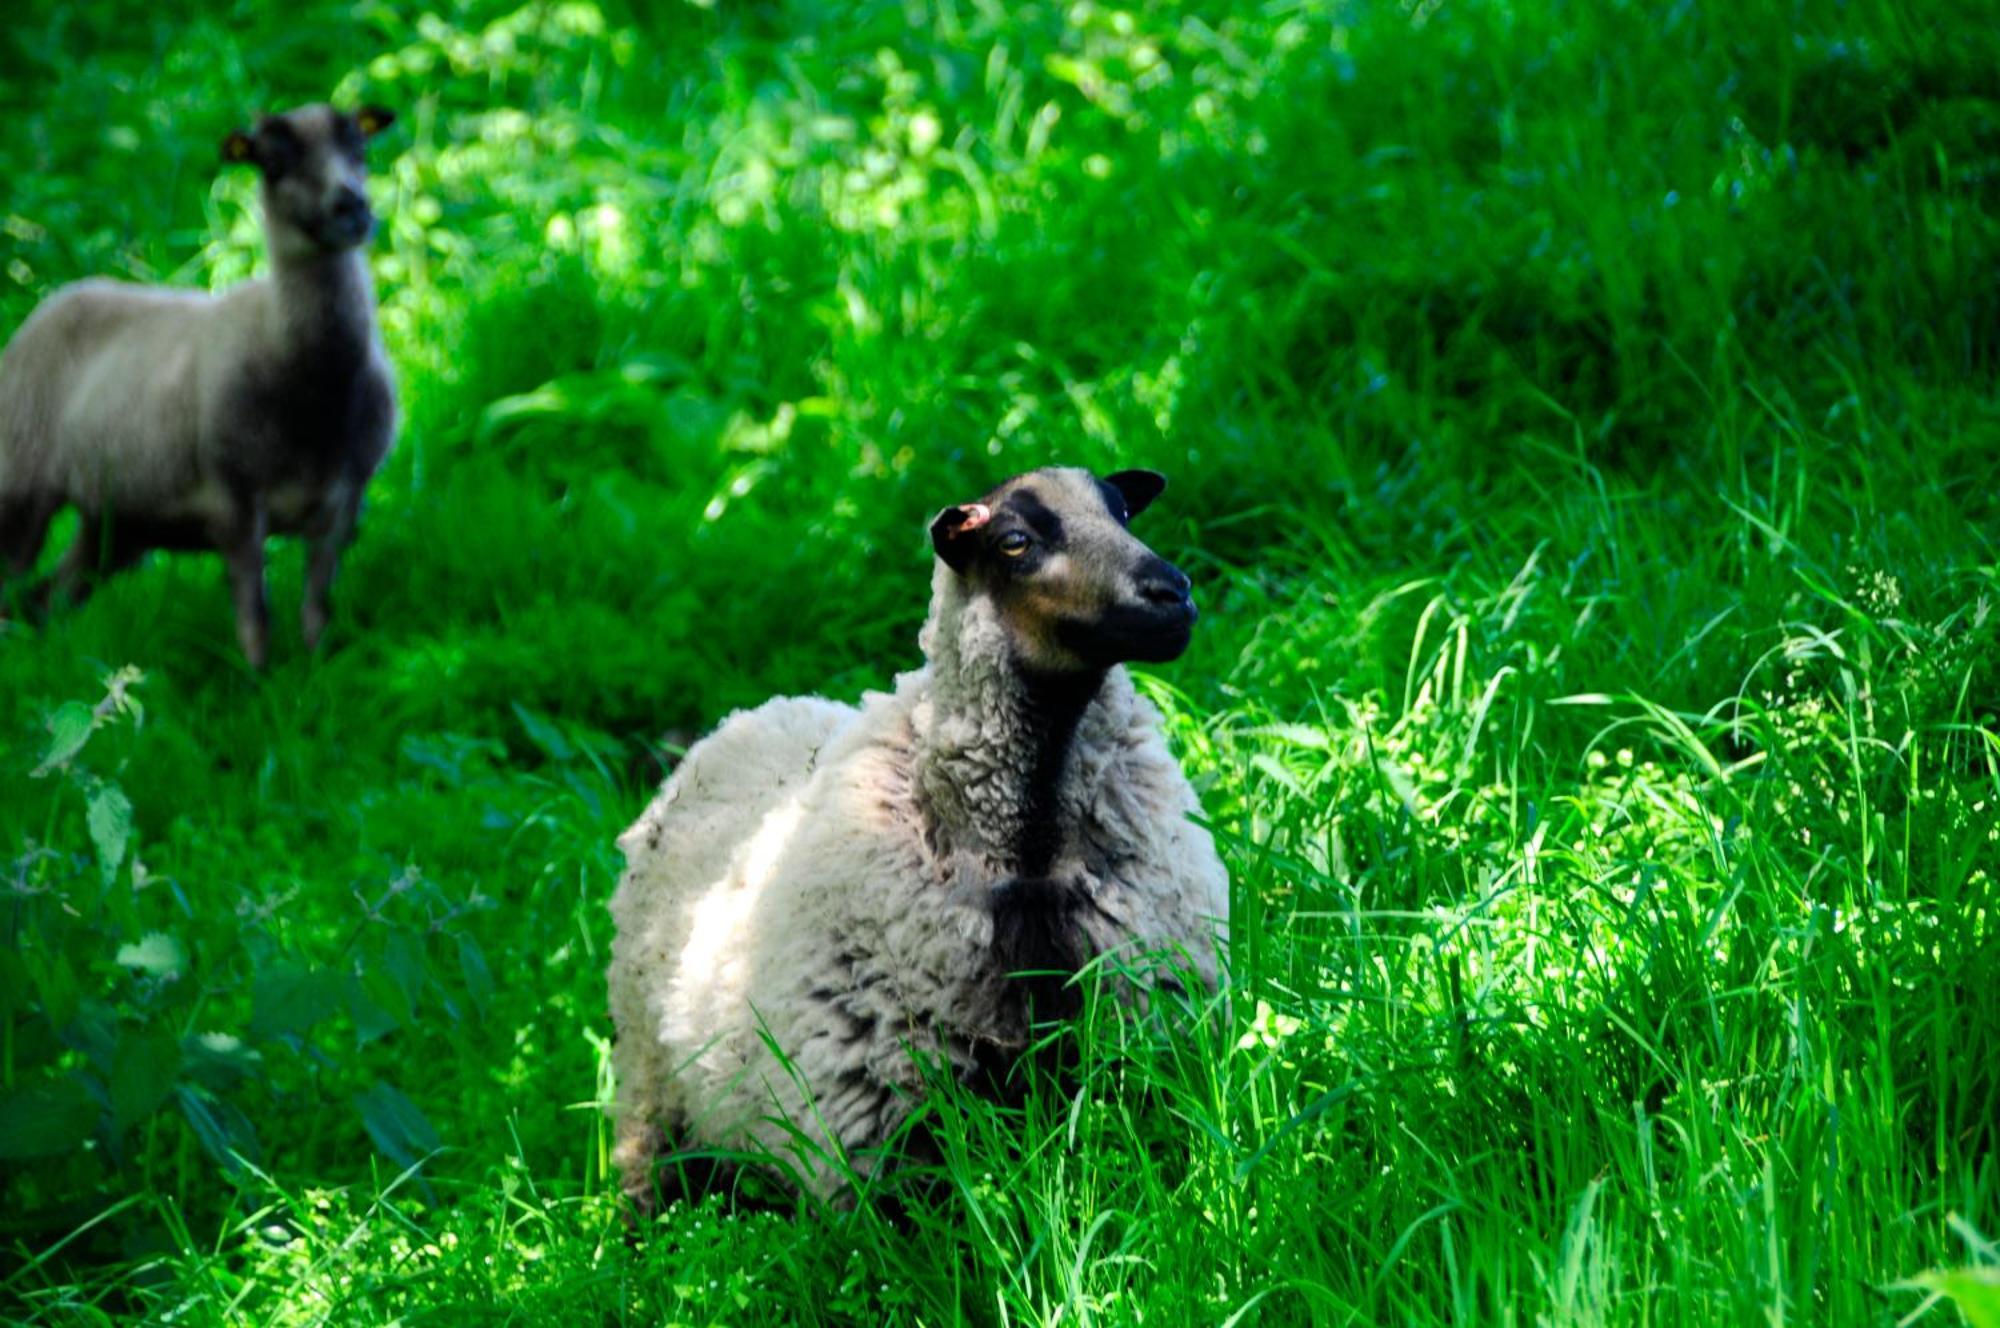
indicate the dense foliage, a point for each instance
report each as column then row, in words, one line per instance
column 1584, row 439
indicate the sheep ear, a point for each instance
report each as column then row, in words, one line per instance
column 239, row 148
column 1138, row 488
column 372, row 120
column 948, row 533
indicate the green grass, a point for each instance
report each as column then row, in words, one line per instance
column 1584, row 440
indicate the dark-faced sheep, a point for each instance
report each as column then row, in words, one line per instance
column 919, row 873
column 178, row 420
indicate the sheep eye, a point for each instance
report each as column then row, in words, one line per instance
column 1014, row 543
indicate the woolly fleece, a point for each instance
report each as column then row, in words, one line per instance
column 816, row 875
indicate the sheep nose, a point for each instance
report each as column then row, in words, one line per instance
column 350, row 204
column 1164, row 584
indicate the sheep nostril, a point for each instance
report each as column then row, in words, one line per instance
column 1161, row 584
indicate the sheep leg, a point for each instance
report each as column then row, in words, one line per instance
column 322, row 563
column 24, row 528
column 244, row 552
column 87, row 561
column 642, row 1069
column 106, row 543
column 639, row 1143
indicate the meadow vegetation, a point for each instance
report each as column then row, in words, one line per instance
column 1583, row 435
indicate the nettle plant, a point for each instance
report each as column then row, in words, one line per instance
column 127, row 1050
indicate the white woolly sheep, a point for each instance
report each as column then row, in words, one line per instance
column 178, row 420
column 858, row 883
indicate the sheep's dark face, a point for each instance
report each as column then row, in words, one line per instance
column 1076, row 589
column 315, row 181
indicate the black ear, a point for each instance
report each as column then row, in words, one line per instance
column 951, row 533
column 372, row 120
column 239, row 148
column 1138, row 487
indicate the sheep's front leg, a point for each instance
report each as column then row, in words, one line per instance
column 244, row 551
column 322, row 563
column 82, row 565
column 24, row 528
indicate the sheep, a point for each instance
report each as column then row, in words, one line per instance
column 174, row 419
column 846, row 885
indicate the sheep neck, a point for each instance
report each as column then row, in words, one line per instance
column 995, row 759
column 324, row 309
column 1051, row 707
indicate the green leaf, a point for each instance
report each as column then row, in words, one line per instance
column 403, row 960
column 1975, row 1291
column 54, row 983
column 142, row 1075
column 155, row 953
column 110, row 820
column 1299, row 735
column 1270, row 765
column 398, row 1128
column 70, row 728
column 545, row 735
column 288, row 998
column 453, row 756
column 478, row 977
column 219, row 1058
column 46, row 1119
column 386, row 994
column 371, row 1021
column 225, row 1133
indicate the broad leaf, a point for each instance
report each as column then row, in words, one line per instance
column 398, row 1128
column 289, row 998
column 54, row 983
column 110, row 819
column 371, row 1021
column 225, row 1133
column 403, row 960
column 155, row 953
column 142, row 1075
column 218, row 1058
column 545, row 735
column 478, row 977
column 380, row 988
column 69, row 729
column 45, row 1119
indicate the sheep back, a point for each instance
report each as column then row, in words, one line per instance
column 97, row 388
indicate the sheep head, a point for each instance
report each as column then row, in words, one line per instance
column 1075, row 588
column 315, row 179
